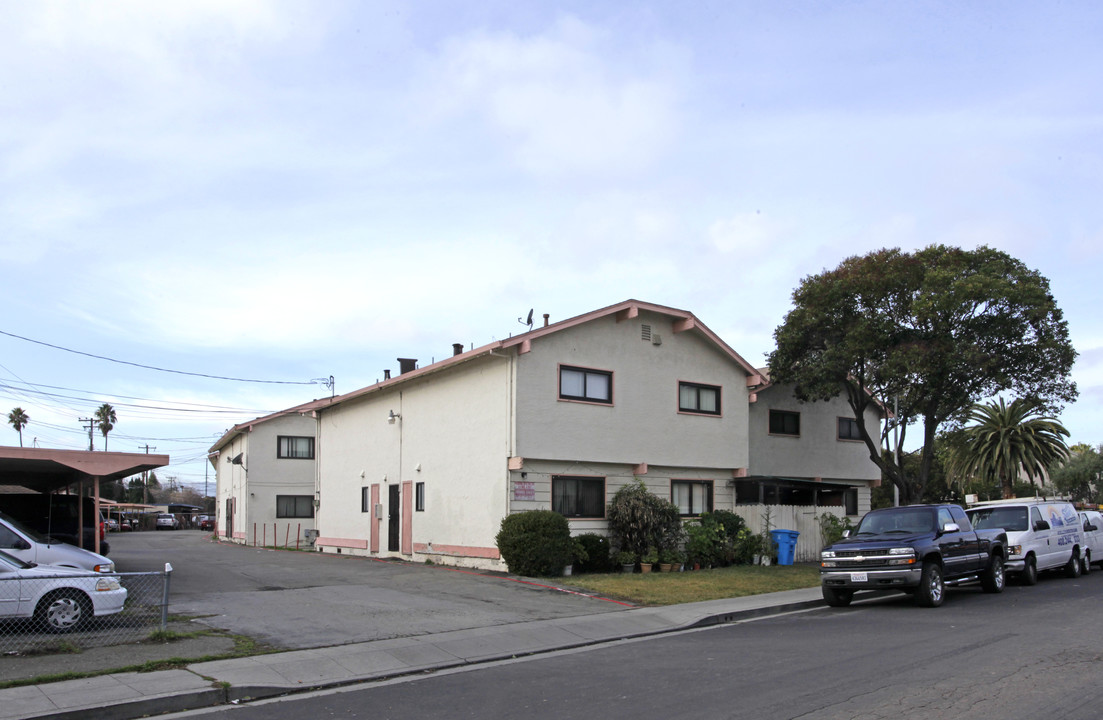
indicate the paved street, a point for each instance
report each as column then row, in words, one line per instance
column 1027, row 653
column 296, row 600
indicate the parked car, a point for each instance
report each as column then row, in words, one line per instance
column 112, row 525
column 1092, row 528
column 1041, row 535
column 31, row 546
column 917, row 549
column 124, row 525
column 60, row 599
column 165, row 521
column 206, row 522
column 58, row 515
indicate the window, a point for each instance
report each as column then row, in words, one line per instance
column 698, row 398
column 299, row 448
column 691, row 497
column 848, row 429
column 294, row 506
column 419, row 497
column 784, row 422
column 578, row 497
column 365, row 499
column 851, row 499
column 589, row 385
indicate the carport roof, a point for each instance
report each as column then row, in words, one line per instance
column 45, row 469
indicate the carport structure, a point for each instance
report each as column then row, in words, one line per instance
column 46, row 470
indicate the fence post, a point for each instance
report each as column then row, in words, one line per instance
column 165, row 599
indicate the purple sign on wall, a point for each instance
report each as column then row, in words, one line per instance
column 524, row 490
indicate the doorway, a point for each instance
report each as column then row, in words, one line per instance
column 394, row 517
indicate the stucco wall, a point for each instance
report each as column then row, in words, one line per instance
column 643, row 425
column 452, row 434
column 817, row 452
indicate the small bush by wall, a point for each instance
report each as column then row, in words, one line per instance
column 597, row 553
column 536, row 543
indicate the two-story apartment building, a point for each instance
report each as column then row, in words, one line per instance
column 266, row 476
column 425, row 465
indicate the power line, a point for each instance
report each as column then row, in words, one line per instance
column 159, row 369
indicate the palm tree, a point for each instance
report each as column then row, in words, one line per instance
column 105, row 420
column 1008, row 440
column 18, row 420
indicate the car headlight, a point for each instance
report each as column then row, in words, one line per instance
column 106, row 584
column 827, row 554
column 1015, row 550
column 105, row 567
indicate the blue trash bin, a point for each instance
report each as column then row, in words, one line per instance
column 786, row 541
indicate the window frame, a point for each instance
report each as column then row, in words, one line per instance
column 365, row 499
column 419, row 497
column 783, row 413
column 586, row 372
column 851, row 423
column 280, row 451
column 699, row 387
column 710, row 495
column 282, row 499
column 578, row 499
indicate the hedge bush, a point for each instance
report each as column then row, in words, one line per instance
column 536, row 543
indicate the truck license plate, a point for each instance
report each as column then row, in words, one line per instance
column 858, row 577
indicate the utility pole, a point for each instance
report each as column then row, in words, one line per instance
column 91, row 426
column 145, row 476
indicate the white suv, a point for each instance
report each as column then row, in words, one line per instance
column 1041, row 534
column 166, row 522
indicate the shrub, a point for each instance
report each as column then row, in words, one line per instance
column 832, row 527
column 536, row 542
column 704, row 543
column 597, row 552
column 640, row 519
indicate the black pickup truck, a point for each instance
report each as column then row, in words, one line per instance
column 916, row 549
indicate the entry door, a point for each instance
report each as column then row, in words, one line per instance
column 229, row 518
column 394, row 516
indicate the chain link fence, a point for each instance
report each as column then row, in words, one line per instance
column 40, row 610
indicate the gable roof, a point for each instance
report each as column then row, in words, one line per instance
column 247, row 426
column 684, row 321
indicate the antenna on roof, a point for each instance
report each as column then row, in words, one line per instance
column 527, row 321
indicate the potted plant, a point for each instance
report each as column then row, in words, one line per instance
column 668, row 560
column 649, row 558
column 627, row 561
column 578, row 556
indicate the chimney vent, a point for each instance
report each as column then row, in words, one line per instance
column 457, row 349
column 546, row 316
column 405, row 365
column 387, row 374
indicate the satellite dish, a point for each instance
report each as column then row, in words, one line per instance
column 527, row 321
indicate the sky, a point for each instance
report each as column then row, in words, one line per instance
column 288, row 191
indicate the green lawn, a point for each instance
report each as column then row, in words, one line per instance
column 698, row 585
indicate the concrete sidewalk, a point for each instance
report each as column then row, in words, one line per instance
column 206, row 684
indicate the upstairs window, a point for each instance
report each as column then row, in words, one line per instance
column 294, row 506
column 784, row 422
column 848, row 429
column 298, row 448
column 584, row 384
column 696, row 398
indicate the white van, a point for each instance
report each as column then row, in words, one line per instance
column 1041, row 534
column 1092, row 526
column 31, row 546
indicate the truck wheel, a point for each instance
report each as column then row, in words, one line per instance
column 1072, row 567
column 1086, row 563
column 837, row 598
column 1030, row 571
column 931, row 589
column 993, row 578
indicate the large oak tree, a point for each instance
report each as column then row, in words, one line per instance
column 926, row 335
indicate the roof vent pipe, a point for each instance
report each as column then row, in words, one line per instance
column 387, row 374
column 405, row 365
column 457, row 348
column 546, row 316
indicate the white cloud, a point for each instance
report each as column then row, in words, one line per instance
column 563, row 107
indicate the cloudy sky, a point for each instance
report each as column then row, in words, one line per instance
column 285, row 191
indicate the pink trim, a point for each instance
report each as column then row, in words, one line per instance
column 515, row 463
column 457, row 550
column 752, row 398
column 343, row 542
column 407, row 518
column 526, row 347
column 633, row 311
column 684, row 324
column 739, row 473
column 373, row 523
column 239, row 536
column 640, row 469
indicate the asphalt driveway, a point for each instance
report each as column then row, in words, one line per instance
column 296, row 600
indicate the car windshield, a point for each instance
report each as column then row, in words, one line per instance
column 898, row 520
column 1005, row 518
column 10, row 562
